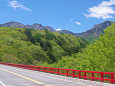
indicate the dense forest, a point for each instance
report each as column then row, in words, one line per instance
column 30, row 46
column 99, row 56
column 45, row 48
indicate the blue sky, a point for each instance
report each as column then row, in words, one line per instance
column 73, row 15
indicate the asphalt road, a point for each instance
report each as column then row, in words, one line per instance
column 12, row 76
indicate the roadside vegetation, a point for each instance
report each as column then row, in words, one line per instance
column 45, row 48
column 99, row 56
column 30, row 46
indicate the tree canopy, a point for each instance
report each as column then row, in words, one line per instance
column 30, row 46
column 99, row 56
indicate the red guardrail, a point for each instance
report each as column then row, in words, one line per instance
column 91, row 75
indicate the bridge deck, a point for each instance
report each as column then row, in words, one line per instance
column 12, row 76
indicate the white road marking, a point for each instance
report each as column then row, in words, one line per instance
column 45, row 75
column 1, row 83
column 79, row 81
column 32, row 80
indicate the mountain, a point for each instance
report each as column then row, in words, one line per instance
column 35, row 26
column 20, row 25
column 98, row 56
column 65, row 31
column 89, row 35
column 94, row 32
column 28, row 46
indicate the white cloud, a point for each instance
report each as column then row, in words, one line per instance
column 104, row 10
column 59, row 29
column 78, row 23
column 14, row 4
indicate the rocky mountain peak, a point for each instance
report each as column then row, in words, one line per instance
column 93, row 33
column 12, row 24
column 20, row 25
column 97, row 29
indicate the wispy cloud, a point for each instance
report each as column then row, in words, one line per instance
column 104, row 10
column 59, row 29
column 15, row 4
column 78, row 23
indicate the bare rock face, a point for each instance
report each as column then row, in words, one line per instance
column 96, row 30
column 19, row 25
column 12, row 24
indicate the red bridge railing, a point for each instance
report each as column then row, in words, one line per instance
column 91, row 75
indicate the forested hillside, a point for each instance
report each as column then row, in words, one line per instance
column 30, row 46
column 90, row 35
column 99, row 56
column 93, row 34
column 44, row 48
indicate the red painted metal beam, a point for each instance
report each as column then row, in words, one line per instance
column 81, row 74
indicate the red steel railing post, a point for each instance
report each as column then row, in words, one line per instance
column 84, row 75
column 67, row 73
column 112, row 78
column 102, row 77
column 58, row 71
column 92, row 76
column 79, row 74
column 73, row 74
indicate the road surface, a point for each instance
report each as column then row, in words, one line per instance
column 12, row 76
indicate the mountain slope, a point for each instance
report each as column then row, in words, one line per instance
column 98, row 56
column 94, row 32
column 31, row 46
column 89, row 35
column 20, row 25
